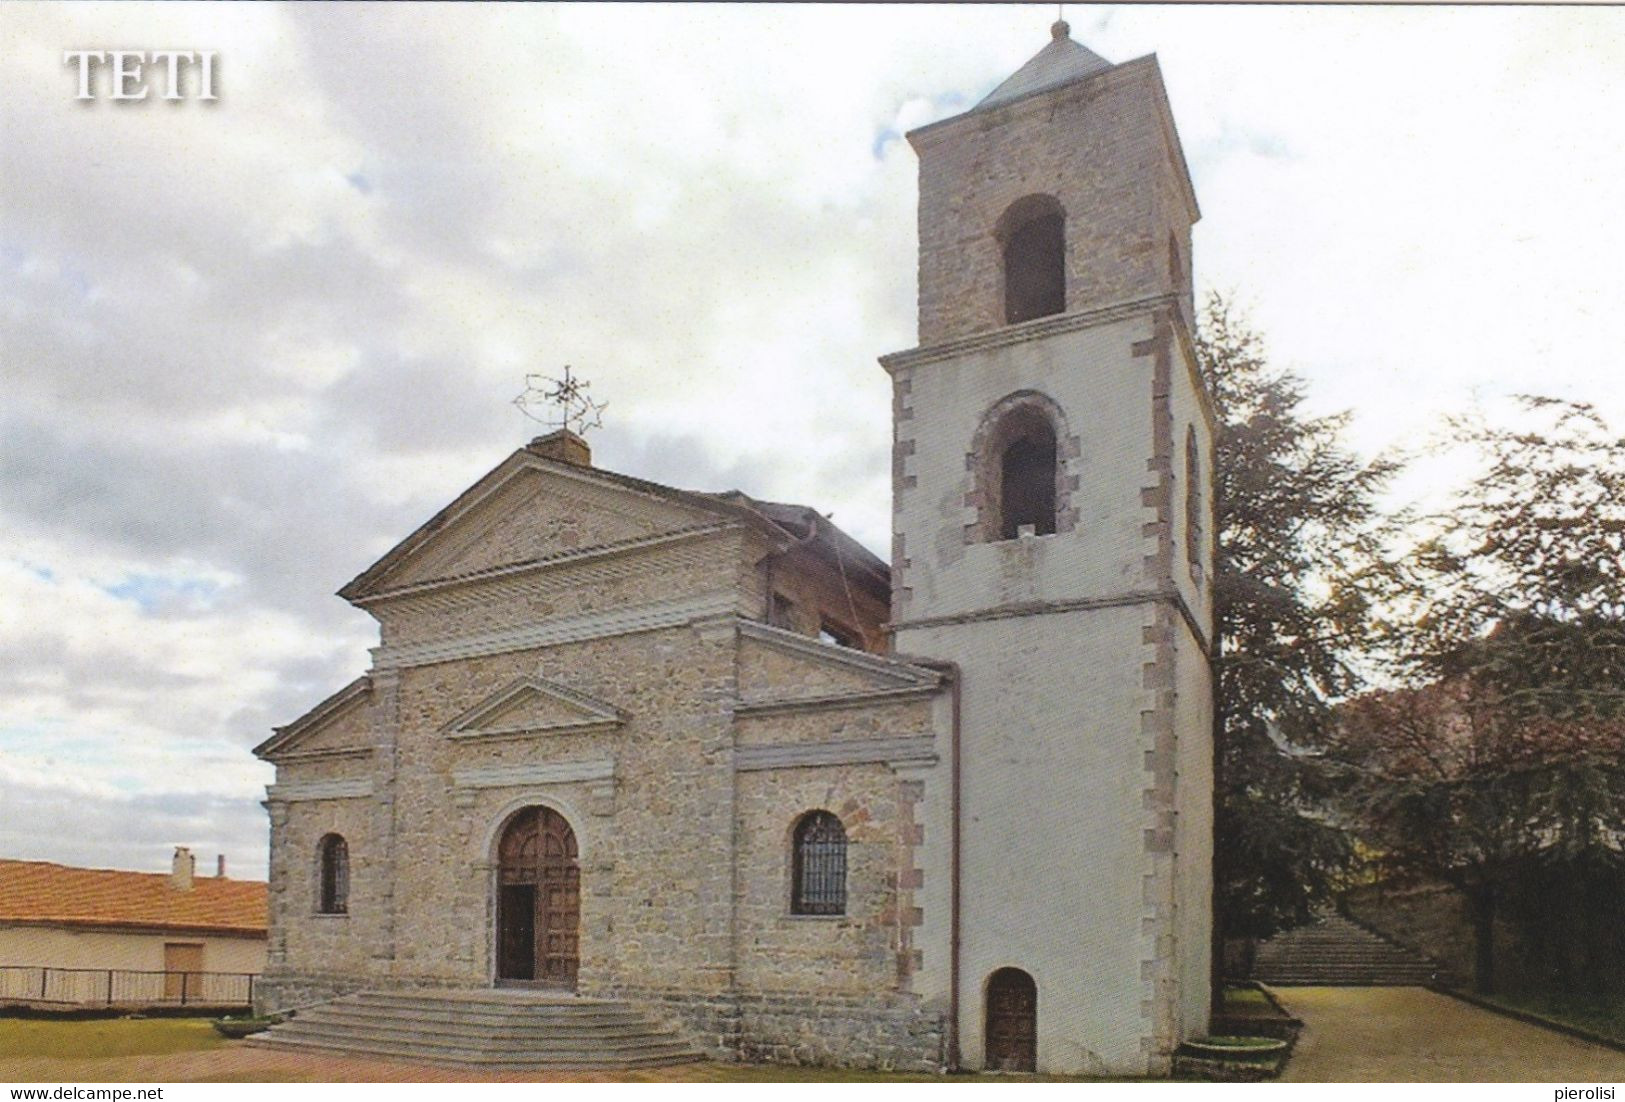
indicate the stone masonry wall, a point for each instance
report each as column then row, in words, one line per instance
column 817, row 591
column 1099, row 147
column 655, row 879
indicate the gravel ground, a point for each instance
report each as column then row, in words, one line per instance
column 1413, row 1035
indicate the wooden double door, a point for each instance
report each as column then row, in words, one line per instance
column 538, row 900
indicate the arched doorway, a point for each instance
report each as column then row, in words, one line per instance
column 1011, row 1042
column 538, row 899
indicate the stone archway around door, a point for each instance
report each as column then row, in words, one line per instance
column 538, row 904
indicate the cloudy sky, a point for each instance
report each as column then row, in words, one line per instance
column 246, row 346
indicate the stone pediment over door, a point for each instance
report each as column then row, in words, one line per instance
column 535, row 706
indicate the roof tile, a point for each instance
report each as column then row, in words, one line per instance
column 40, row 892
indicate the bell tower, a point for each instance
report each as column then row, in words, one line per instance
column 1051, row 469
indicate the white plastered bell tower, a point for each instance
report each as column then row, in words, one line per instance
column 1052, row 451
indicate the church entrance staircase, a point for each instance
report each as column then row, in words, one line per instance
column 497, row 1030
column 1333, row 951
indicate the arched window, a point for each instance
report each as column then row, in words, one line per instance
column 818, row 878
column 1027, row 481
column 1193, row 501
column 1018, row 470
column 333, row 895
column 1032, row 236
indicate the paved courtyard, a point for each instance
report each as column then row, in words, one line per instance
column 1413, row 1035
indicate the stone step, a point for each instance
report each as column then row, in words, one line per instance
column 1335, row 951
column 557, row 1008
column 306, row 1026
column 485, row 1026
column 575, row 1048
column 488, row 1029
column 483, row 1060
column 624, row 1019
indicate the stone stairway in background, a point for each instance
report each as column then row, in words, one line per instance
column 491, row 1029
column 1333, row 951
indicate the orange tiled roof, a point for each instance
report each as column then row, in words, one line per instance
column 42, row 893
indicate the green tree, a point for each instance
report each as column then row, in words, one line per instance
column 1501, row 769
column 1299, row 533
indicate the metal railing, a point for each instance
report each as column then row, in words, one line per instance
column 123, row 987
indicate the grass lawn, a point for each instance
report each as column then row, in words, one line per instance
column 78, row 1040
column 1600, row 1014
column 1246, row 1000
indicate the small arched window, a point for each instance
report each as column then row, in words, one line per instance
column 333, row 893
column 818, row 876
column 1027, row 481
column 1032, row 237
column 1018, row 462
column 1193, row 501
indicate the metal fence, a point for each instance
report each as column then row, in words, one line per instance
column 123, row 987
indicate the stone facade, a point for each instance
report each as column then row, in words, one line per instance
column 634, row 715
column 683, row 677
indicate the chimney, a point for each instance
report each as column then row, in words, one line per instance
column 181, row 869
column 565, row 446
column 220, row 865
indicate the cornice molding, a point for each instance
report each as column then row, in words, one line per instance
column 833, row 701
column 566, row 629
column 292, row 791
column 1168, row 594
column 1053, row 325
column 602, row 553
column 799, row 755
column 903, row 674
column 335, row 753
column 515, row 776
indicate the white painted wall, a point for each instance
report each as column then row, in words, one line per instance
column 1105, row 393
column 1054, row 856
column 1052, row 830
column 71, row 947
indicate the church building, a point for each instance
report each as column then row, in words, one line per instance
column 709, row 756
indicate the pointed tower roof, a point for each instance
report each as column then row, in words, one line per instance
column 1061, row 62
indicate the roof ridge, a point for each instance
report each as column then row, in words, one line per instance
column 1061, row 61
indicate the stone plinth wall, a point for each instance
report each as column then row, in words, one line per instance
column 895, row 1035
column 892, row 1034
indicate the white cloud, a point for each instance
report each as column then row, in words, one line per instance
column 246, row 347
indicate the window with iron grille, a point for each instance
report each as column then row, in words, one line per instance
column 819, row 884
column 335, row 885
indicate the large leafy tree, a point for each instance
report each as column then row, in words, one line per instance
column 1299, row 529
column 1501, row 770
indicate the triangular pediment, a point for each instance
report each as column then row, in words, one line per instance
column 339, row 725
column 535, row 706
column 779, row 668
column 536, row 514
column 532, row 509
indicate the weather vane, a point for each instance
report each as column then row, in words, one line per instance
column 564, row 402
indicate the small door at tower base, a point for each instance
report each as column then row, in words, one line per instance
column 1011, row 1042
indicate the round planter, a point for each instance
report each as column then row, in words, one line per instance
column 242, row 1027
column 1238, row 1049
